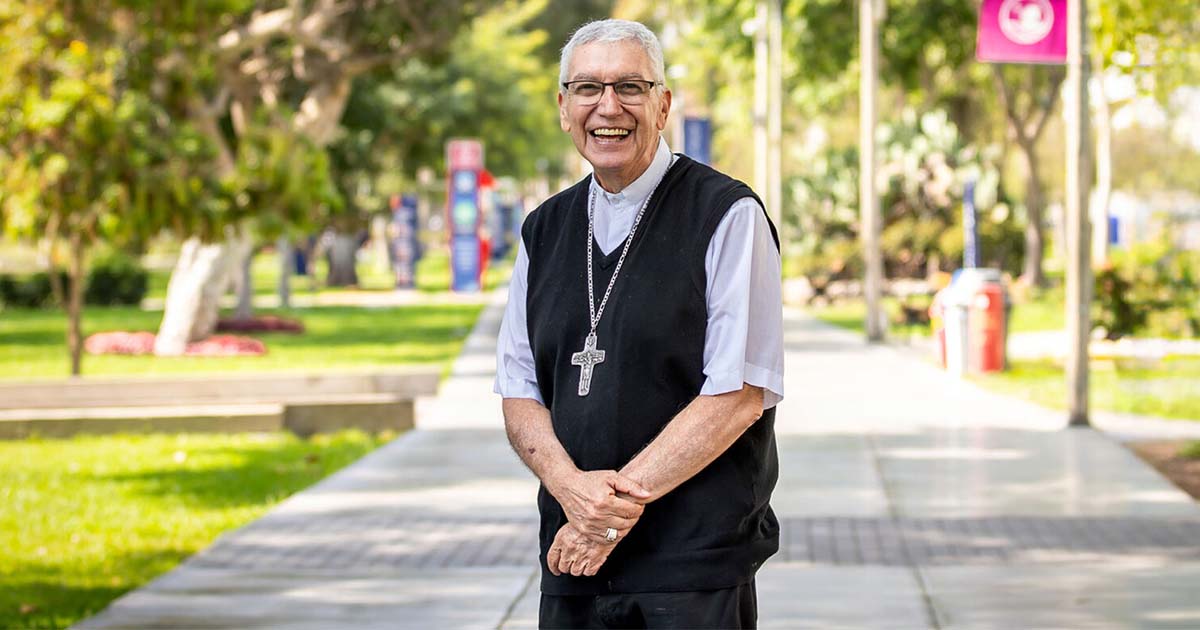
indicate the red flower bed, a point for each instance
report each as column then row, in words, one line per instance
column 120, row 343
column 137, row 343
column 261, row 323
column 226, row 346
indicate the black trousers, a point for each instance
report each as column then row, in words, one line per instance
column 726, row 609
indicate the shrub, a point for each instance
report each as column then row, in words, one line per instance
column 1150, row 288
column 116, row 280
column 29, row 290
column 113, row 280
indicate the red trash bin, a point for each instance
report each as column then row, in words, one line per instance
column 988, row 325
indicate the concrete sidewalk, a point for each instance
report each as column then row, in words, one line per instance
column 908, row 499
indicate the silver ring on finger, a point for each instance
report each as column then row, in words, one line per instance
column 610, row 535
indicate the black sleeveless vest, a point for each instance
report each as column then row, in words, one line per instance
column 717, row 528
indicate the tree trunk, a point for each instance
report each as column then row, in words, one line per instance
column 343, row 253
column 1035, row 201
column 200, row 278
column 1103, row 190
column 244, row 255
column 284, row 248
column 74, row 306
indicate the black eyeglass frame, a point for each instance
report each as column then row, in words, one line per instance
column 613, row 84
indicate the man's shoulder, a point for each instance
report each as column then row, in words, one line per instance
column 705, row 180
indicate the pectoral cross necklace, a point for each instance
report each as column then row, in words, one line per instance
column 589, row 357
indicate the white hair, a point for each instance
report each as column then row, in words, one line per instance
column 611, row 31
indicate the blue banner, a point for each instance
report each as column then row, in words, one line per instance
column 697, row 139
column 970, row 230
column 405, row 246
column 464, row 261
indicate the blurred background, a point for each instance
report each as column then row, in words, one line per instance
column 280, row 171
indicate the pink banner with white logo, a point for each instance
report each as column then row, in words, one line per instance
column 1022, row 31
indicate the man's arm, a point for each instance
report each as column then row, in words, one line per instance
column 693, row 439
column 589, row 498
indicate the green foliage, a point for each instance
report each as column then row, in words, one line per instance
column 87, row 519
column 825, row 199
column 1156, row 41
column 28, row 291
column 925, row 164
column 282, row 180
column 1151, row 289
column 1113, row 309
column 83, row 153
column 113, row 280
column 493, row 85
column 116, row 280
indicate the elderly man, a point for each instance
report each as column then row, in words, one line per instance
column 640, row 362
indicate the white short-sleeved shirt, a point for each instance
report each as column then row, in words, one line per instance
column 744, row 340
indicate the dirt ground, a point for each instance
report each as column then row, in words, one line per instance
column 1183, row 472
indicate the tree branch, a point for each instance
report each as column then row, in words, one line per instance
column 1056, row 79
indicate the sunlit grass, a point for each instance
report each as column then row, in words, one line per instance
column 32, row 342
column 1170, row 390
column 87, row 519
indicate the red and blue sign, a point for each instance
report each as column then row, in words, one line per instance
column 1022, row 31
column 464, row 158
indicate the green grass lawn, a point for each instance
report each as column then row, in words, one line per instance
column 851, row 315
column 1045, row 310
column 87, row 519
column 1169, row 390
column 32, row 342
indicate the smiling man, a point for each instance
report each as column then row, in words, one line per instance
column 640, row 362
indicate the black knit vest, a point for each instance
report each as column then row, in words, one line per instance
column 717, row 528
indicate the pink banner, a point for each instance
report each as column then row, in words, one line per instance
column 1022, row 31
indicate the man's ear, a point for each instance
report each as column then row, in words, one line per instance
column 664, row 110
column 563, row 120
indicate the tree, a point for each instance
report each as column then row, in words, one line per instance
column 1027, row 109
column 86, row 156
column 289, row 66
column 1157, row 43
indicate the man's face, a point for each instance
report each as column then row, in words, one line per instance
column 617, row 159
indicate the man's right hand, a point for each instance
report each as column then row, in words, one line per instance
column 599, row 499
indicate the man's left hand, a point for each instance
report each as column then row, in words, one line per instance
column 576, row 553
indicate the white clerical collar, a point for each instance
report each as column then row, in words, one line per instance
column 635, row 193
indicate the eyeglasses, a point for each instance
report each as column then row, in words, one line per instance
column 629, row 91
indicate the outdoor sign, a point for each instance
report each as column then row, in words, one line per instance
column 501, row 239
column 1022, row 31
column 405, row 246
column 464, row 160
column 697, row 139
column 970, row 229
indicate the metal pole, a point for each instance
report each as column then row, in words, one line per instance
column 868, row 199
column 1078, row 229
column 775, row 113
column 761, row 98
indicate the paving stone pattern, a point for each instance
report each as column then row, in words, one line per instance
column 370, row 540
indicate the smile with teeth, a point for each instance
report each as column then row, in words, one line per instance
column 610, row 133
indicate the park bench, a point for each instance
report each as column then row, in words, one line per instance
column 304, row 403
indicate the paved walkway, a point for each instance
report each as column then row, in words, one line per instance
column 908, row 500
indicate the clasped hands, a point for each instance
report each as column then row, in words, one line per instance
column 593, row 501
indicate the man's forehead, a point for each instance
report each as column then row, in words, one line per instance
column 613, row 60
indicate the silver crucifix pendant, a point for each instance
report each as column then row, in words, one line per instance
column 587, row 359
